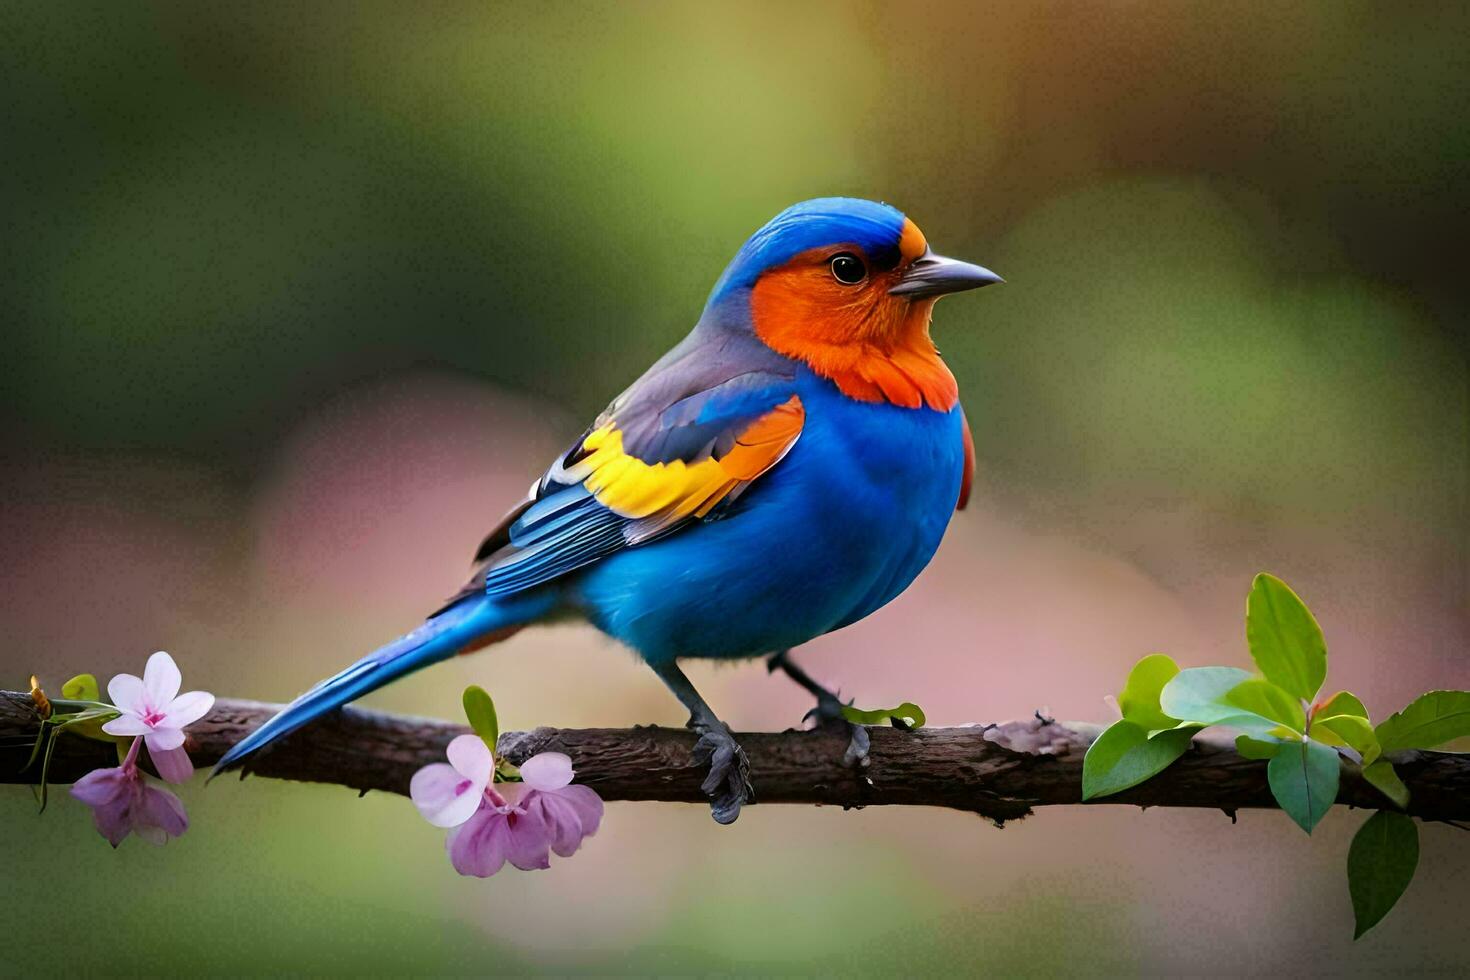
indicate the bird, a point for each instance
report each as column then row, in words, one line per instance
column 784, row 471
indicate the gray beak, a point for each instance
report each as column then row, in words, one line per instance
column 935, row 275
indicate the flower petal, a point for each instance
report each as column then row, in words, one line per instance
column 570, row 814
column 472, row 759
column 187, row 708
column 162, row 809
column 587, row 804
column 114, row 819
column 127, row 725
column 126, row 691
column 161, row 679
column 100, row 786
column 163, row 739
column 443, row 796
column 478, row 846
column 547, row 771
column 563, row 826
column 528, row 845
column 173, row 764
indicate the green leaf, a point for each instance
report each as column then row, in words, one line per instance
column 46, row 769
column 1201, row 695
column 1381, row 863
column 1429, row 720
column 1349, row 730
column 1198, row 694
column 82, row 687
column 1255, row 748
column 35, row 749
column 89, row 723
column 479, row 709
column 1139, row 699
column 1381, row 776
column 908, row 715
column 1285, row 641
column 1261, row 697
column 1125, row 755
column 1342, row 703
column 1303, row 778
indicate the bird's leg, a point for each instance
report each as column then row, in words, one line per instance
column 728, row 783
column 828, row 709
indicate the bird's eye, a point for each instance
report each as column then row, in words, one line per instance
column 848, row 269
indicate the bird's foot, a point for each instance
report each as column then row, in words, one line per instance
column 728, row 783
column 829, row 712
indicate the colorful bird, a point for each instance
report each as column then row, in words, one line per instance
column 786, row 470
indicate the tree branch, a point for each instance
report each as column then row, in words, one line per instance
column 999, row 771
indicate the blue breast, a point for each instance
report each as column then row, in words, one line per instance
column 836, row 530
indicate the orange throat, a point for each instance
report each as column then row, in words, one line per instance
column 873, row 346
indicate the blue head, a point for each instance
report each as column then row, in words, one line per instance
column 847, row 287
column 824, row 221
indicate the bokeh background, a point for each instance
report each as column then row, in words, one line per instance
column 298, row 298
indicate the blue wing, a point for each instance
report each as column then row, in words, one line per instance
column 678, row 446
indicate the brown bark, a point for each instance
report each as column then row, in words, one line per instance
column 999, row 771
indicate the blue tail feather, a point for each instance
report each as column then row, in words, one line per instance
column 438, row 639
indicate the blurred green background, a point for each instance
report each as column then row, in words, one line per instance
column 297, row 299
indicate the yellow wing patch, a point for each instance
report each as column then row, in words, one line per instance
column 668, row 492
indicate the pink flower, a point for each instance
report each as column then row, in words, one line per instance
column 123, row 802
column 520, row 823
column 153, row 708
column 497, row 833
column 569, row 812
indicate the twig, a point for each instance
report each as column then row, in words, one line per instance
column 999, row 771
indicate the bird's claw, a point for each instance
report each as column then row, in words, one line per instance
column 728, row 783
column 858, row 744
column 828, row 711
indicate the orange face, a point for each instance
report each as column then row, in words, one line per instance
column 831, row 308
